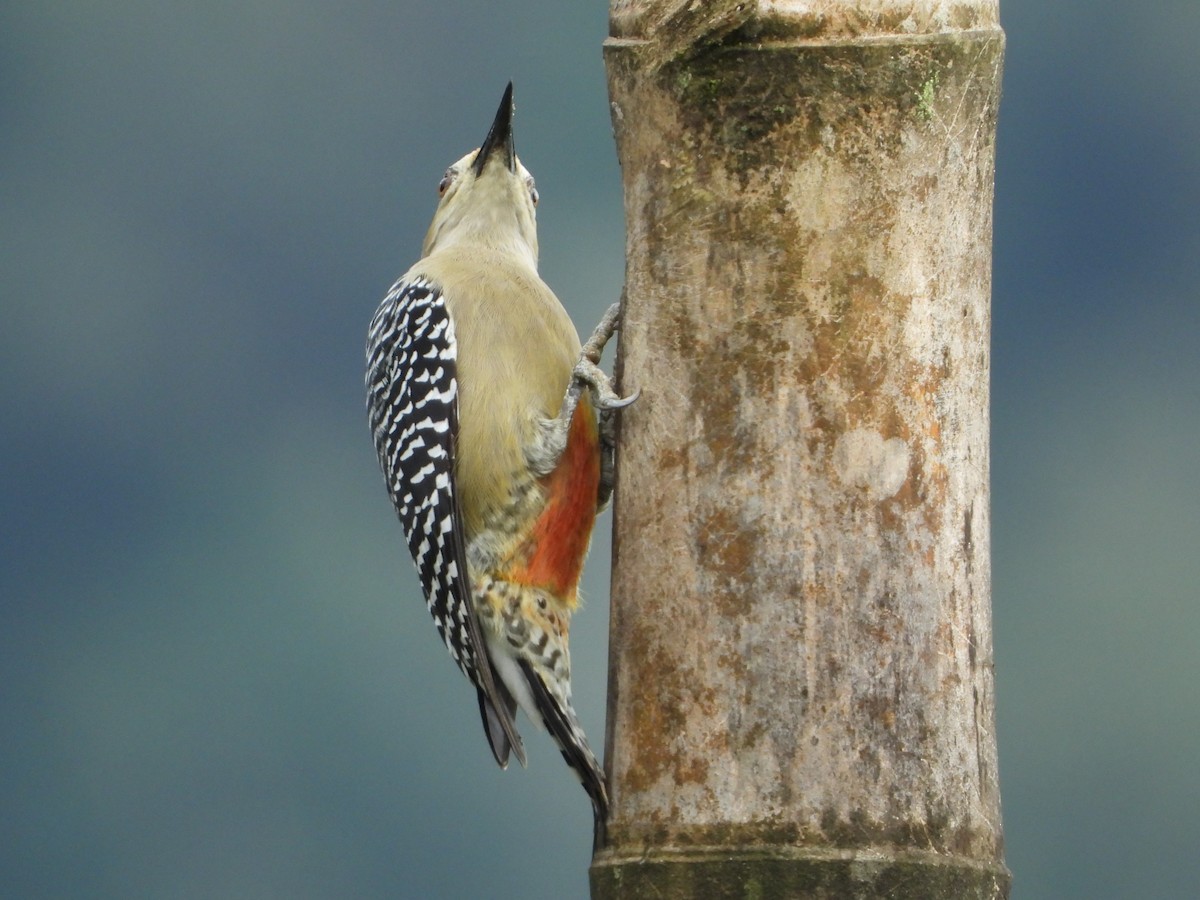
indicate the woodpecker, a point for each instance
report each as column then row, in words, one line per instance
column 493, row 428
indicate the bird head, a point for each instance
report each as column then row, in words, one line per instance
column 488, row 197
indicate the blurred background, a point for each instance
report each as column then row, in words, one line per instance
column 216, row 676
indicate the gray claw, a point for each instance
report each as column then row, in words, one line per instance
column 616, row 402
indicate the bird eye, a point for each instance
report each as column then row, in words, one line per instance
column 533, row 192
column 445, row 182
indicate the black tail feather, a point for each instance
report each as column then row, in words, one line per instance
column 493, row 725
column 567, row 733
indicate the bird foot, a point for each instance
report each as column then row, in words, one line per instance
column 588, row 374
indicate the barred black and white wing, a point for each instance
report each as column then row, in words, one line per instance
column 412, row 402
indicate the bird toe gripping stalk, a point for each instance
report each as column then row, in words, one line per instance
column 587, row 372
column 607, row 402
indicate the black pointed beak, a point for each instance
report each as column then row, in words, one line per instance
column 500, row 138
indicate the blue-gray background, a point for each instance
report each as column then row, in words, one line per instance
column 216, row 676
